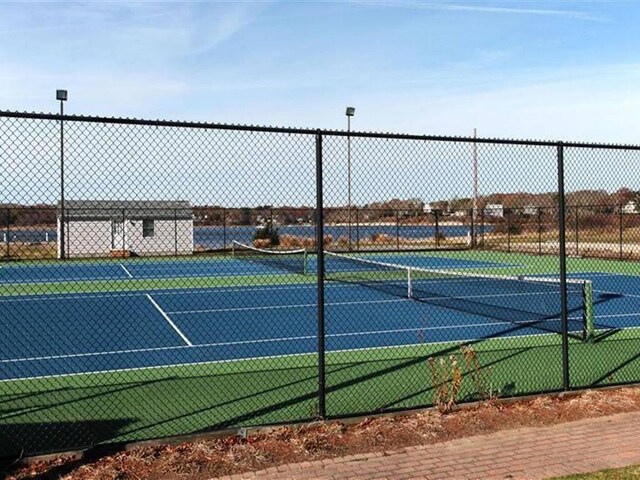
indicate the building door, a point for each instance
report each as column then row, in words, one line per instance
column 117, row 235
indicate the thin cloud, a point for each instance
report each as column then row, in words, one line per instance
column 572, row 14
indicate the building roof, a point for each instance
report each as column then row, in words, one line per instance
column 128, row 209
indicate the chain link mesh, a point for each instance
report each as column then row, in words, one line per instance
column 175, row 289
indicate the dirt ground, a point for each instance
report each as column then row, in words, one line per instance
column 210, row 458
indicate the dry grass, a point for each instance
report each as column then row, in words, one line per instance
column 209, row 458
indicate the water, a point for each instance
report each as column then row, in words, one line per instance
column 218, row 237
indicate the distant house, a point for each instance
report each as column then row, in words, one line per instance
column 100, row 228
column 427, row 208
column 530, row 210
column 630, row 207
column 494, row 210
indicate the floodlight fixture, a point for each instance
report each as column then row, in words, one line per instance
column 351, row 111
column 61, row 95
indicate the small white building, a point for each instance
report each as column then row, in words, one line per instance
column 630, row 207
column 102, row 228
column 494, row 210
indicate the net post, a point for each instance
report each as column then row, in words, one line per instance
column 305, row 264
column 588, row 313
column 320, row 279
column 409, row 284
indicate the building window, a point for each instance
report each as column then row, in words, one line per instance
column 147, row 228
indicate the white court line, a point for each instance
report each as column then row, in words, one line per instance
column 126, row 271
column 168, row 319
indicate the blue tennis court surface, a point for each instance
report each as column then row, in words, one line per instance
column 80, row 333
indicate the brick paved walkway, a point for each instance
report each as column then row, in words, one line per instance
column 526, row 453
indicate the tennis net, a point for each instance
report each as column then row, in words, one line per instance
column 294, row 261
column 521, row 300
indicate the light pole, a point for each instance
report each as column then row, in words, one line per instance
column 350, row 113
column 61, row 95
column 474, row 215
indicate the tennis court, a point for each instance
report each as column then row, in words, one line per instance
column 244, row 333
column 185, row 326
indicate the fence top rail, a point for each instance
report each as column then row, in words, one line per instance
column 309, row 131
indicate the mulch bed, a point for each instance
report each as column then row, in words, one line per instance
column 210, row 458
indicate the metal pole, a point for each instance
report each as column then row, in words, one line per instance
column 563, row 270
column 320, row 279
column 175, row 232
column 63, row 249
column 124, row 227
column 475, row 189
column 435, row 213
column 349, row 180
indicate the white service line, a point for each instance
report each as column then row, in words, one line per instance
column 126, row 271
column 168, row 319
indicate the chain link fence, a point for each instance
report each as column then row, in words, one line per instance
column 170, row 278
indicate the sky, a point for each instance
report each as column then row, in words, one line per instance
column 545, row 70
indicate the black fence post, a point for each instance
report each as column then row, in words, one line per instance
column 563, row 270
column 437, row 231
column 539, row 231
column 320, row 279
